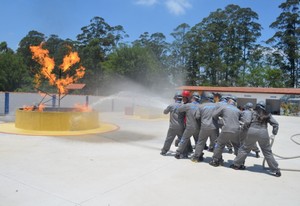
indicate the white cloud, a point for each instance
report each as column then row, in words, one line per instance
column 178, row 7
column 146, row 2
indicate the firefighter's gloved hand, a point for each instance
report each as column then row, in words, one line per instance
column 272, row 136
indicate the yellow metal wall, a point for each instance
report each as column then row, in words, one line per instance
column 56, row 121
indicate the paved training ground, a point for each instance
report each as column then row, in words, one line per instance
column 124, row 168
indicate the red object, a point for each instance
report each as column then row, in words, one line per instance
column 186, row 93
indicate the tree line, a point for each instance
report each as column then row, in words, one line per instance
column 221, row 50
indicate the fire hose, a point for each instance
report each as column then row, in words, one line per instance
column 272, row 138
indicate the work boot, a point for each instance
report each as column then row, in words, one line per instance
column 194, row 159
column 235, row 167
column 163, row 153
column 257, row 155
column 216, row 163
column 197, row 159
column 177, row 156
column 184, row 156
column 276, row 173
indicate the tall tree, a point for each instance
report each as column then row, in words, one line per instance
column 177, row 59
column 286, row 40
column 95, row 43
column 108, row 36
column 13, row 73
column 136, row 63
column 33, row 38
column 156, row 42
column 241, row 35
column 220, row 46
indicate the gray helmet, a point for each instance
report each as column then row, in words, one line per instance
column 178, row 96
column 261, row 105
column 208, row 96
column 249, row 105
column 196, row 96
column 232, row 98
column 224, row 98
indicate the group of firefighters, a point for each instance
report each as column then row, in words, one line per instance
column 224, row 124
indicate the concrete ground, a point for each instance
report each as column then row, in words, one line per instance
column 124, row 167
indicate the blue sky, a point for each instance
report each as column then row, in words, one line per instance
column 65, row 18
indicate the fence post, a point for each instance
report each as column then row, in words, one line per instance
column 6, row 103
column 87, row 101
column 53, row 100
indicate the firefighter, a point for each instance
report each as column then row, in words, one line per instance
column 175, row 127
column 192, row 126
column 181, row 116
column 209, row 127
column 258, row 132
column 246, row 117
column 224, row 101
column 231, row 116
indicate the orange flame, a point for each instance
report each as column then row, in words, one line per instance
column 82, row 108
column 41, row 107
column 28, row 108
column 38, row 108
column 42, row 57
column 69, row 60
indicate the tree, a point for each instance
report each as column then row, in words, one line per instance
column 209, row 35
column 136, row 63
column 177, row 60
column 220, row 46
column 108, row 36
column 287, row 39
column 156, row 43
column 241, row 34
column 13, row 73
column 95, row 43
column 33, row 38
column 92, row 57
column 4, row 48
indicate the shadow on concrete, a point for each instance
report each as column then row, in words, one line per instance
column 128, row 137
column 254, row 168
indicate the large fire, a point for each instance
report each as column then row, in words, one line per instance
column 42, row 57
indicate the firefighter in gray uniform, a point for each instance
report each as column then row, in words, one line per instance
column 192, row 125
column 181, row 115
column 175, row 126
column 258, row 132
column 246, row 117
column 223, row 102
column 209, row 127
column 231, row 116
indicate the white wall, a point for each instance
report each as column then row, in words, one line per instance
column 259, row 97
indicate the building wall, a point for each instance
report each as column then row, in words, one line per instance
column 272, row 100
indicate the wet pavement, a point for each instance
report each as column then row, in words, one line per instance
column 124, row 167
